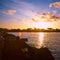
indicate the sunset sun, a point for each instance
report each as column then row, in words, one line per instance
column 42, row 25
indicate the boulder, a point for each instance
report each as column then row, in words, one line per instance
column 14, row 48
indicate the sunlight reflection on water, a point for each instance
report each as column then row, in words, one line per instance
column 40, row 40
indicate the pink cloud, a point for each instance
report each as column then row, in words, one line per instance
column 55, row 5
column 10, row 12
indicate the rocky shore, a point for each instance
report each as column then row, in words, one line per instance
column 14, row 48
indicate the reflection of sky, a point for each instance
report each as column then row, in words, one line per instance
column 25, row 11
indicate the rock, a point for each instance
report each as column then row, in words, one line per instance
column 24, row 39
column 41, row 54
column 14, row 48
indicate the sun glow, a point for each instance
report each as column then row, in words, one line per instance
column 42, row 25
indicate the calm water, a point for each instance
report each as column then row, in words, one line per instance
column 38, row 39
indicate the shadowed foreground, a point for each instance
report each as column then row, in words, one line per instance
column 14, row 48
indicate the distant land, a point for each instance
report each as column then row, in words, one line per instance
column 30, row 30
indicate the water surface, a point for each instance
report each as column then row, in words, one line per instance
column 38, row 39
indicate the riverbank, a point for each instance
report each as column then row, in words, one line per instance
column 30, row 30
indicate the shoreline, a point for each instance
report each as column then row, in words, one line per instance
column 13, row 47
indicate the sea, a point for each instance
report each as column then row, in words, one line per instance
column 38, row 39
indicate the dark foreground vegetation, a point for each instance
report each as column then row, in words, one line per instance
column 14, row 48
column 30, row 30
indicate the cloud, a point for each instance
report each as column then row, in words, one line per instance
column 46, row 17
column 54, row 11
column 24, row 8
column 55, row 5
column 27, row 6
column 10, row 12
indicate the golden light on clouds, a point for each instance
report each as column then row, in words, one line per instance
column 46, row 20
column 46, row 17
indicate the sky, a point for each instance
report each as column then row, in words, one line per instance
column 24, row 14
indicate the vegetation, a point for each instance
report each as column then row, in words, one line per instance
column 30, row 30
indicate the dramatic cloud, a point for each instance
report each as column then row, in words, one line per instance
column 46, row 17
column 55, row 5
column 10, row 12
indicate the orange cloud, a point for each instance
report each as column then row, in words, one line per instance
column 46, row 17
column 10, row 12
column 55, row 5
column 34, row 20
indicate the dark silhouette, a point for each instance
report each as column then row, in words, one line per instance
column 14, row 48
column 30, row 30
